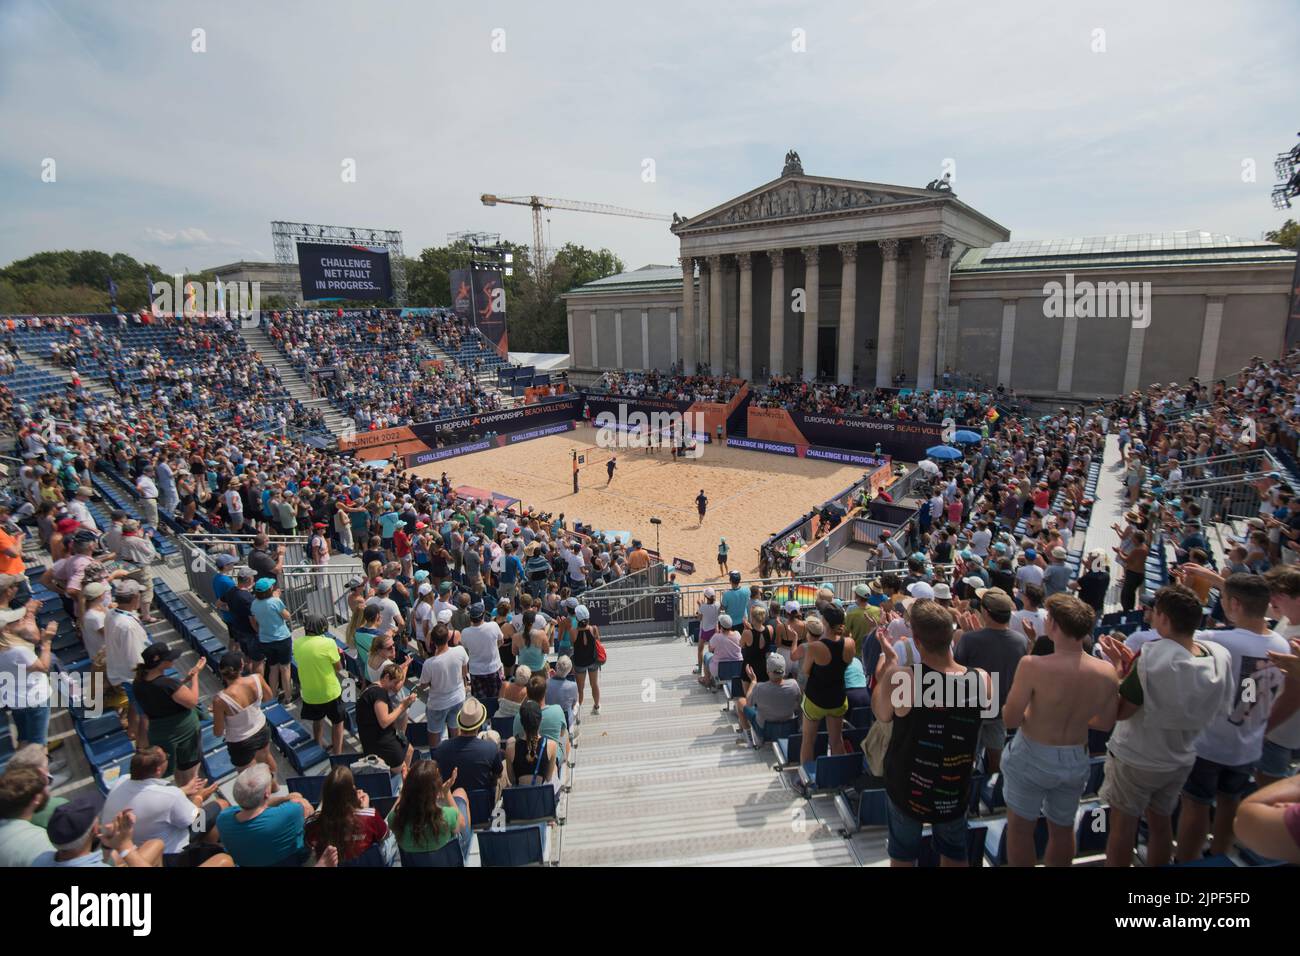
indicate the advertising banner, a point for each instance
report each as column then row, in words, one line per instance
column 344, row 272
column 903, row 440
column 462, row 298
column 504, row 421
column 490, row 307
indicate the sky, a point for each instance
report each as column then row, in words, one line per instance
column 1060, row 119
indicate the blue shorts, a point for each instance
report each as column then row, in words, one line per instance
column 438, row 719
column 1209, row 779
column 905, row 837
column 32, row 724
column 1276, row 760
column 1044, row 780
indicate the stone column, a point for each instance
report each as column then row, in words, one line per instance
column 937, row 248
column 1007, row 345
column 673, row 329
column 595, row 355
column 1065, row 364
column 848, row 310
column 888, row 313
column 745, row 351
column 618, row 339
column 672, row 338
column 1209, row 338
column 811, row 297
column 706, row 317
column 776, row 347
column 687, row 323
column 1133, row 361
column 717, row 350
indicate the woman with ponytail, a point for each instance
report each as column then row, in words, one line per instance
column 238, row 717
column 530, row 757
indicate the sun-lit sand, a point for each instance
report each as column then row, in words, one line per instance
column 751, row 494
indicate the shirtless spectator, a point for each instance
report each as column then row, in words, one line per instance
column 1053, row 701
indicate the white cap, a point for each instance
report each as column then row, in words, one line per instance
column 921, row 591
column 444, row 616
column 426, row 588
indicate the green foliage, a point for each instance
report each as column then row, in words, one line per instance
column 1288, row 234
column 68, row 281
column 536, row 313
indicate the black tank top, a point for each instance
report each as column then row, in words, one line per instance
column 825, row 686
column 931, row 753
column 584, row 647
column 538, row 766
column 755, row 655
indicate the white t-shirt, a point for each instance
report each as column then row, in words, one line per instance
column 388, row 612
column 1029, row 574
column 1238, row 738
column 1287, row 733
column 482, row 642
column 162, row 811
column 16, row 662
column 1037, row 618
column 234, row 502
column 92, row 629
column 443, row 675
column 424, row 620
column 1135, row 640
column 979, row 542
column 709, row 616
column 124, row 642
column 575, row 565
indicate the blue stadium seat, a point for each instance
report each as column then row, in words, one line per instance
column 529, row 804
column 867, row 808
column 831, row 773
column 481, row 805
column 514, row 846
column 448, row 856
column 995, row 843
column 1091, row 827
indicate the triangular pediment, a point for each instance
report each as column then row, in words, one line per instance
column 800, row 196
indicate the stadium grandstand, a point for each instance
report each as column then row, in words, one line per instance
column 221, row 615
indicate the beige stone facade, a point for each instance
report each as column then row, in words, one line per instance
column 858, row 282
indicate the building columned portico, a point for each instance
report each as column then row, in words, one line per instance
column 839, row 280
column 825, row 302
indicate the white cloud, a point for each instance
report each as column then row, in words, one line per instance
column 1050, row 139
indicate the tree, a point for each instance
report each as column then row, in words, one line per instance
column 534, row 309
column 68, row 281
column 1287, row 235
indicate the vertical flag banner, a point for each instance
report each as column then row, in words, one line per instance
column 490, row 307
column 462, row 295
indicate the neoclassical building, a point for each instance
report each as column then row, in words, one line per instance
column 859, row 282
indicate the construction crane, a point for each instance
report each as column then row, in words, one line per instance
column 538, row 203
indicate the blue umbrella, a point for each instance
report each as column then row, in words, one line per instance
column 967, row 437
column 944, row 452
